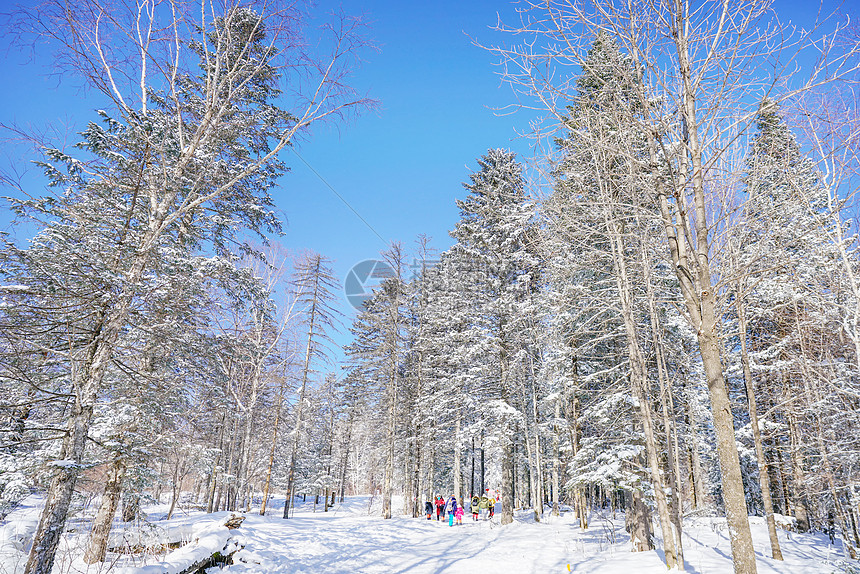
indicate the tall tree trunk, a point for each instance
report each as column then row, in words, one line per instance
column 483, row 488
column 110, row 323
column 665, row 398
column 638, row 520
column 763, row 476
column 472, row 479
column 271, row 464
column 431, row 464
column 248, row 436
column 347, row 444
column 801, row 512
column 392, row 344
column 537, row 502
column 216, row 468
column 532, row 464
column 523, row 478
column 409, row 505
column 130, row 506
column 59, row 497
column 176, row 486
column 670, row 542
column 507, row 489
column 507, row 443
column 690, row 252
column 388, row 480
column 638, row 383
column 782, row 479
column 457, row 469
column 309, row 348
column 418, row 475
column 233, row 460
column 556, row 507
column 573, row 422
column 743, row 554
column 423, row 488
column 219, row 495
column 98, row 542
column 697, row 475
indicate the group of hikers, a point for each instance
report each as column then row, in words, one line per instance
column 454, row 510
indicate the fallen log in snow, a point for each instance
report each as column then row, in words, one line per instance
column 210, row 547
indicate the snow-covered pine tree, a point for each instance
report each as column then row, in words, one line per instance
column 604, row 182
column 493, row 239
column 376, row 359
column 425, row 365
column 786, row 295
column 451, row 365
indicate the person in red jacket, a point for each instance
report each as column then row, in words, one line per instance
column 440, row 507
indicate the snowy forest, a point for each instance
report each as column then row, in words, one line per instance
column 658, row 313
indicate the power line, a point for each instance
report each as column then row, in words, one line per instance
column 339, row 196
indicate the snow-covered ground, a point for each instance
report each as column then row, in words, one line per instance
column 351, row 538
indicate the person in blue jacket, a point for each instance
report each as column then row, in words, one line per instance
column 450, row 509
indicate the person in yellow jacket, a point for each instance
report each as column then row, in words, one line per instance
column 483, row 505
column 491, row 505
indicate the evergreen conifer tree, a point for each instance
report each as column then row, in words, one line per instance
column 494, row 238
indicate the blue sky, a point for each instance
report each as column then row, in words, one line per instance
column 400, row 168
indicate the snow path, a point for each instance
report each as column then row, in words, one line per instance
column 348, row 539
column 352, row 543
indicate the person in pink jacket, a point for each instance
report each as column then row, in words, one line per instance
column 458, row 514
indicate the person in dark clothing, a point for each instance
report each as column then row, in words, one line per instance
column 428, row 509
column 475, row 502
